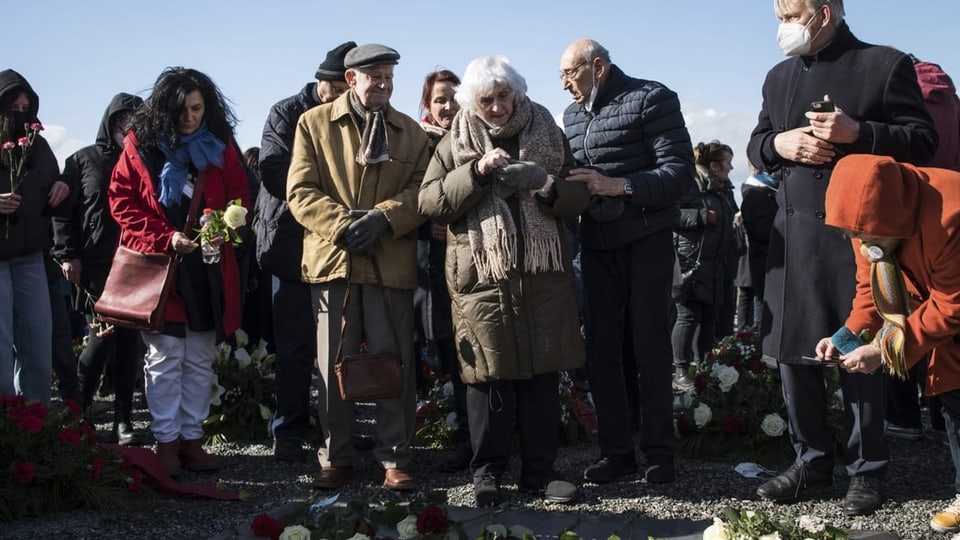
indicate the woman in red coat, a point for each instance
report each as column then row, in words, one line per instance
column 183, row 130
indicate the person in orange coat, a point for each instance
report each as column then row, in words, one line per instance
column 905, row 230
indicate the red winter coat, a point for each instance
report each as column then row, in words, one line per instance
column 135, row 206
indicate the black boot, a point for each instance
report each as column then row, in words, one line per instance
column 123, row 426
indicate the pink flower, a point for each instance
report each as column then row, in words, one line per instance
column 30, row 424
column 9, row 145
column 36, row 126
column 70, row 437
column 23, row 472
column 23, row 142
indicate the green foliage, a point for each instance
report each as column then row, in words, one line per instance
column 242, row 393
column 748, row 524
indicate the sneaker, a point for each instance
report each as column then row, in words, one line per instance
column 948, row 520
column 900, row 432
column 554, row 489
column 486, row 490
column 609, row 468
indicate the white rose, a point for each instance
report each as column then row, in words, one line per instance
column 717, row 531
column 295, row 532
column 407, row 528
column 241, row 337
column 769, row 362
column 235, row 216
column 447, row 388
column 773, row 425
column 728, row 376
column 216, row 391
column 772, row 536
column 811, row 524
column 451, row 420
column 243, row 357
column 359, row 536
column 702, row 415
column 688, row 398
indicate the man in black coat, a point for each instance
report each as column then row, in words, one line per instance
column 634, row 155
column 872, row 105
column 279, row 251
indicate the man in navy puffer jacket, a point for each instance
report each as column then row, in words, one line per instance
column 629, row 138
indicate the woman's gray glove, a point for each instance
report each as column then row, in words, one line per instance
column 521, row 175
column 362, row 235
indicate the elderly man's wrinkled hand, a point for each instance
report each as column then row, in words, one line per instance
column 801, row 146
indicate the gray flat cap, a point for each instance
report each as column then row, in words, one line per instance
column 370, row 54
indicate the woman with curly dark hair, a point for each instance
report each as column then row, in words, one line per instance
column 183, row 130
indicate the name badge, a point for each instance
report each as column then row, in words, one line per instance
column 188, row 190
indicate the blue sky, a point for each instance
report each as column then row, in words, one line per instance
column 77, row 55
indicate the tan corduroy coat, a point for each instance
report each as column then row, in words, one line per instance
column 325, row 182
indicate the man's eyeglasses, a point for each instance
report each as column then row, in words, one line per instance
column 569, row 73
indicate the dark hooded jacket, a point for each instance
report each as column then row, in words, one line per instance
column 89, row 232
column 634, row 130
column 877, row 196
column 940, row 96
column 877, row 87
column 279, row 235
column 27, row 230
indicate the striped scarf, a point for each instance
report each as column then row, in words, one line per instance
column 890, row 299
column 490, row 227
column 374, row 146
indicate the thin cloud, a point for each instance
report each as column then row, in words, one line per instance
column 62, row 142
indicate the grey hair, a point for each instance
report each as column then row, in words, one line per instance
column 836, row 8
column 593, row 50
column 480, row 77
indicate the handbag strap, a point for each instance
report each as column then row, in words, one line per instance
column 386, row 305
column 195, row 202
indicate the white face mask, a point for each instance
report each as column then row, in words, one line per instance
column 794, row 38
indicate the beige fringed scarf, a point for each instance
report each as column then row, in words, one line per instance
column 374, row 146
column 490, row 226
column 890, row 298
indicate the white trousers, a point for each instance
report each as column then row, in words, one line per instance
column 178, row 376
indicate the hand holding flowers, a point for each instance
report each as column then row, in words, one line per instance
column 218, row 226
column 13, row 155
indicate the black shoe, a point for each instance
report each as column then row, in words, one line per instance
column 460, row 459
column 486, row 490
column 555, row 489
column 609, row 468
column 289, row 451
column 660, row 471
column 127, row 436
column 863, row 496
column 787, row 486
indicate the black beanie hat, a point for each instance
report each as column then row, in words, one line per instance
column 332, row 67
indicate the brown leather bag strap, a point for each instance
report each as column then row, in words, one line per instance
column 386, row 305
column 195, row 203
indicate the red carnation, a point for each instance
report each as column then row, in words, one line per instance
column 265, row 526
column 701, row 382
column 11, row 401
column 9, row 145
column 23, row 472
column 207, row 211
column 432, row 521
column 683, row 424
column 757, row 366
column 24, row 142
column 69, row 436
column 72, row 405
column 36, row 126
column 30, row 424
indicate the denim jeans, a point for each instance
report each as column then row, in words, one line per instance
column 25, row 326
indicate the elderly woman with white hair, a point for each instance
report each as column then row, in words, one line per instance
column 497, row 180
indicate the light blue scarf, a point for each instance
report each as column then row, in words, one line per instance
column 201, row 148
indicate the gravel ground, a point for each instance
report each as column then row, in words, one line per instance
column 917, row 485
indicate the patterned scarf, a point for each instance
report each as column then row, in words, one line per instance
column 490, row 226
column 374, row 146
column 890, row 299
column 200, row 148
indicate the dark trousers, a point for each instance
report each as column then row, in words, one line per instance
column 631, row 283
column 727, row 309
column 534, row 406
column 692, row 315
column 746, row 308
column 123, row 349
column 903, row 399
column 296, row 343
column 807, row 401
column 951, row 417
column 64, row 361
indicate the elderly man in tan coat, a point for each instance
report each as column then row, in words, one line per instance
column 354, row 174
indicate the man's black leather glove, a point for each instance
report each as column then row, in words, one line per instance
column 362, row 235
